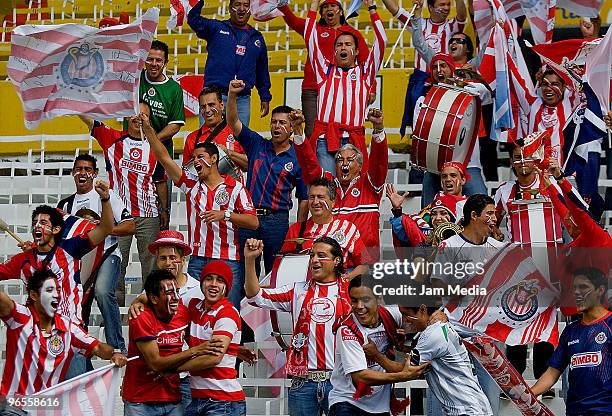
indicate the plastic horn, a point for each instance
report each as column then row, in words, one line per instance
column 400, row 35
column 4, row 227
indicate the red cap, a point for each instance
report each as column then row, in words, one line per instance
column 108, row 22
column 443, row 57
column 448, row 202
column 459, row 166
column 221, row 269
column 170, row 238
column 331, row 2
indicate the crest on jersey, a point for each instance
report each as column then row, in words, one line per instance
column 324, row 35
column 322, row 310
column 339, row 236
column 135, row 154
column 520, row 302
column 355, row 192
column 353, row 76
column 55, row 345
column 289, row 166
column 151, row 92
column 222, row 197
column 258, row 43
column 601, row 338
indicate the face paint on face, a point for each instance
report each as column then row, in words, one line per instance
column 325, row 204
column 172, row 296
column 41, row 231
column 49, row 297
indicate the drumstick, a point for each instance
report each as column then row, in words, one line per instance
column 400, row 35
column 4, row 227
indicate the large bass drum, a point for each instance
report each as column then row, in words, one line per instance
column 445, row 129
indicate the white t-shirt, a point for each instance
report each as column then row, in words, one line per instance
column 351, row 358
column 91, row 200
column 450, row 375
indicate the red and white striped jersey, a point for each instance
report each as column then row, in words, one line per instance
column 436, row 35
column 35, row 359
column 360, row 202
column 218, row 382
column 218, row 239
column 553, row 120
column 343, row 94
column 64, row 260
column 341, row 230
column 507, row 193
column 327, row 307
column 132, row 169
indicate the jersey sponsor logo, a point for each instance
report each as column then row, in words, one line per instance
column 240, row 50
column 136, row 155
column 222, row 197
column 151, row 92
column 289, row 166
column 572, row 342
column 324, row 35
column 601, row 338
column 347, row 334
column 55, row 345
column 133, row 166
column 322, row 310
column 520, row 302
column 171, row 338
column 223, row 32
column 585, row 359
column 355, row 192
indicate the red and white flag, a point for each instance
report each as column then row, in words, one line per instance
column 598, row 71
column 192, row 86
column 77, row 69
column 584, row 8
column 264, row 10
column 178, row 12
column 91, row 394
column 519, row 304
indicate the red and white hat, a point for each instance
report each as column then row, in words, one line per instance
column 448, row 202
column 221, row 269
column 459, row 166
column 170, row 238
column 324, row 2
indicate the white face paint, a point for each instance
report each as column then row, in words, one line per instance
column 49, row 297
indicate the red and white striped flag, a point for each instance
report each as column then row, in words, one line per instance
column 598, row 71
column 584, row 8
column 77, row 69
column 519, row 306
column 178, row 11
column 91, row 394
column 192, row 86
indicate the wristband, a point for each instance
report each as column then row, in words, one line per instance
column 105, row 199
column 372, row 7
column 561, row 176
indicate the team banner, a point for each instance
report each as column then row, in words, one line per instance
column 78, row 69
column 178, row 11
column 507, row 378
column 92, row 394
column 264, row 10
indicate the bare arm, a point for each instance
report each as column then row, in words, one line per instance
column 385, row 362
column 127, row 227
column 168, row 132
column 6, row 305
column 231, row 112
column 302, row 213
column 252, row 249
column 546, row 381
column 376, row 378
column 89, row 122
column 105, row 227
column 207, row 361
column 248, row 221
column 392, row 6
column 357, row 271
column 106, row 352
column 174, row 171
column 461, row 10
column 314, row 5
column 240, row 159
column 149, row 351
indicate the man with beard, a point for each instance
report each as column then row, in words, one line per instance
column 344, row 85
column 358, row 194
column 273, row 174
column 361, row 386
column 216, row 130
column 85, row 170
column 216, row 207
column 236, row 50
column 321, row 198
column 156, row 337
column 315, row 306
column 330, row 25
column 41, row 342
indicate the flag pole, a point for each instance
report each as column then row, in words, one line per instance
column 410, row 15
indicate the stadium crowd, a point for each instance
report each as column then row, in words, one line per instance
column 347, row 347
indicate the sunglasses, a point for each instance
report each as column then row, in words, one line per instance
column 460, row 41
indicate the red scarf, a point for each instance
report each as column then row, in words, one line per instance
column 395, row 341
column 297, row 356
column 333, row 133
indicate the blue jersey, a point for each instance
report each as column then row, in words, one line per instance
column 586, row 350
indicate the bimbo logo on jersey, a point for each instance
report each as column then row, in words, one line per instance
column 133, row 166
column 585, row 359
